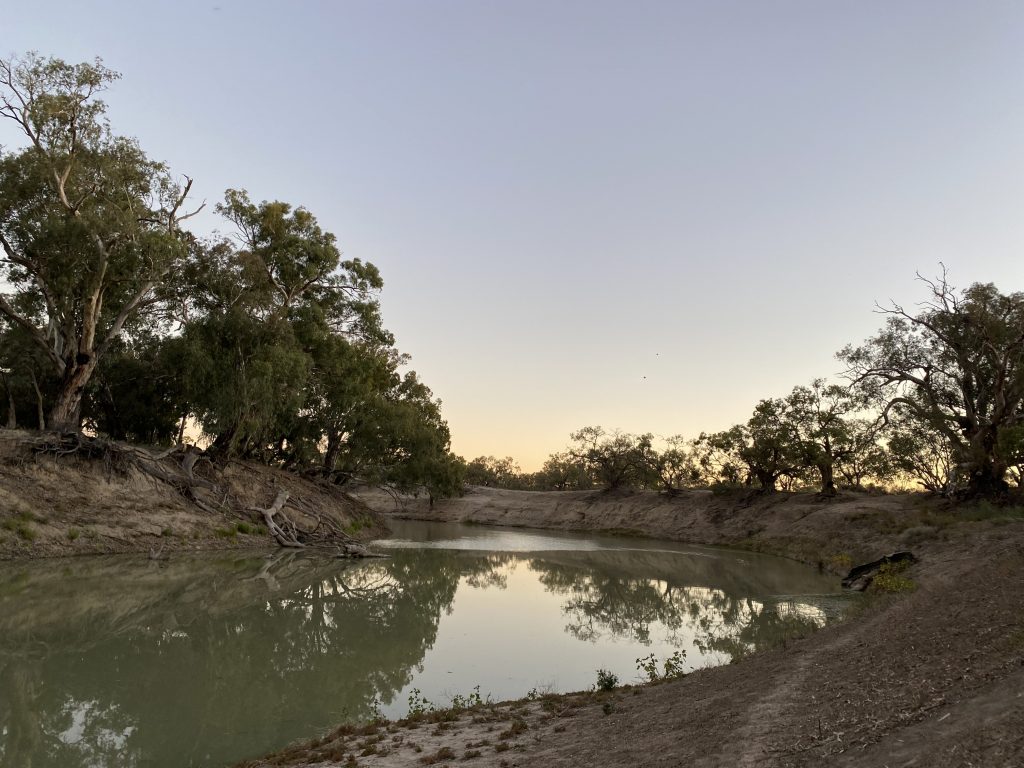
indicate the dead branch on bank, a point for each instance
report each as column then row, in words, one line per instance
column 325, row 532
column 176, row 467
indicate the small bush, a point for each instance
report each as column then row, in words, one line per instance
column 518, row 726
column 418, row 705
column 444, row 753
column 606, row 680
column 673, row 666
column 73, row 533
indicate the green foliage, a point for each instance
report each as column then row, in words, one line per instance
column 269, row 339
column 606, row 681
column 615, row 460
column 672, row 667
column 418, row 705
column 89, row 224
column 469, row 701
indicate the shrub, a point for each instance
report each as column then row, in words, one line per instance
column 606, row 680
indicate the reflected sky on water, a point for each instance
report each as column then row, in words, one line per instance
column 203, row 660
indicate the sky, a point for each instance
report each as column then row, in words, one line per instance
column 640, row 215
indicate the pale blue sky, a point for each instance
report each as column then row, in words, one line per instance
column 565, row 197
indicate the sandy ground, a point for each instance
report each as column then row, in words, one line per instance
column 930, row 676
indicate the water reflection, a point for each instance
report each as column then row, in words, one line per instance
column 206, row 660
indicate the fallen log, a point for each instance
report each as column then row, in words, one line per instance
column 860, row 576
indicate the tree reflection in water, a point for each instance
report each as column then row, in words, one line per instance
column 609, row 604
column 206, row 660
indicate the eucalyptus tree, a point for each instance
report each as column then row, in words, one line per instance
column 674, row 467
column 763, row 450
column 918, row 452
column 824, row 424
column 494, row 472
column 956, row 366
column 259, row 315
column 562, row 471
column 616, row 459
column 89, row 225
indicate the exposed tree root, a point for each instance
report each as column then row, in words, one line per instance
column 176, row 467
column 325, row 532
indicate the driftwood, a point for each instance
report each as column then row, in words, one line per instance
column 860, row 576
column 326, row 533
column 285, row 533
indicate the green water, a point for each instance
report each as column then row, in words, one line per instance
column 204, row 660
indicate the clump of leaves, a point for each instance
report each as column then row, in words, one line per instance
column 418, row 705
column 468, row 701
column 672, row 667
column 606, row 680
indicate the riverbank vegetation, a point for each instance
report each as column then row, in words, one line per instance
column 935, row 400
column 118, row 321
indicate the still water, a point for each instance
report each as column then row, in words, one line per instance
column 204, row 660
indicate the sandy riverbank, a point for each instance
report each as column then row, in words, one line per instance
column 53, row 506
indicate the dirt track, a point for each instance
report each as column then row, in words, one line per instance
column 929, row 677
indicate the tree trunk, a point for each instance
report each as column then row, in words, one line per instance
column 40, row 410
column 66, row 414
column 332, row 453
column 986, row 475
column 987, row 481
column 766, row 480
column 12, row 413
column 828, row 481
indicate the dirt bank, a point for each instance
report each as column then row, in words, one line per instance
column 930, row 676
column 836, row 532
column 71, row 505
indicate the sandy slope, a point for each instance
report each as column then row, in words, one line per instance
column 932, row 677
column 69, row 506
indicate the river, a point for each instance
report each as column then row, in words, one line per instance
column 207, row 659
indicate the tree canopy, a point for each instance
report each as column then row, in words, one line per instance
column 118, row 318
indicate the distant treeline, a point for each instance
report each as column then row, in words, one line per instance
column 118, row 320
column 934, row 398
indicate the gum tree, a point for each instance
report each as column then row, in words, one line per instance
column 956, row 366
column 88, row 224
